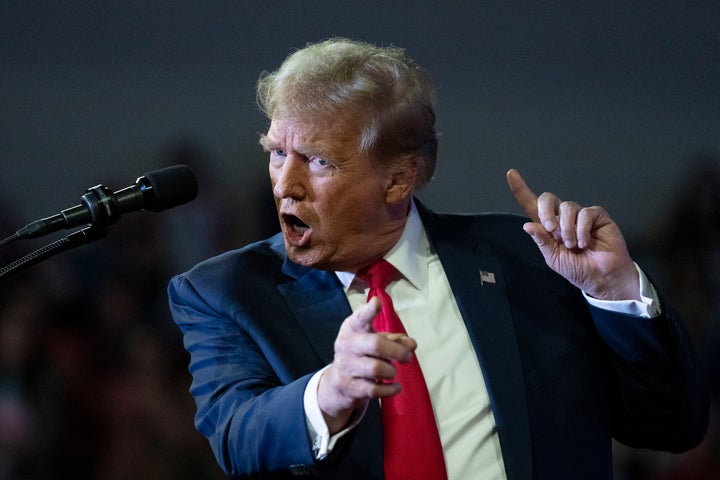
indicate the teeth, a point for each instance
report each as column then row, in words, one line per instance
column 297, row 225
column 299, row 229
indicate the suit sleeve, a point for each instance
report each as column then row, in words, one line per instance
column 661, row 401
column 255, row 423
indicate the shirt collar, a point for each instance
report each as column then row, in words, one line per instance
column 409, row 255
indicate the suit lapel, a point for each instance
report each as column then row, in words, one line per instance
column 486, row 311
column 318, row 304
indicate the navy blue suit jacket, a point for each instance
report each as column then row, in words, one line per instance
column 563, row 378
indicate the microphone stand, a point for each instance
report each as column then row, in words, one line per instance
column 75, row 239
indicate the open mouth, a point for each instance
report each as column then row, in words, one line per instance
column 296, row 231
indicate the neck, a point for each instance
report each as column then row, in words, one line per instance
column 389, row 237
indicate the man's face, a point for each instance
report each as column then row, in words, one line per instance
column 331, row 201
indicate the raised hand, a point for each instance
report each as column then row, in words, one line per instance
column 583, row 244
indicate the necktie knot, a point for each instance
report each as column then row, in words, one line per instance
column 378, row 274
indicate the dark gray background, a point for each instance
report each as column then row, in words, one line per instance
column 602, row 102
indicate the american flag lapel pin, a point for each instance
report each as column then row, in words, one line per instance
column 486, row 277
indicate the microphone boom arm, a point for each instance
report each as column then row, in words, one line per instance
column 75, row 239
column 154, row 191
column 99, row 201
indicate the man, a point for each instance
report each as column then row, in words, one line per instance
column 530, row 370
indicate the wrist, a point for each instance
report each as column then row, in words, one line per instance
column 336, row 415
column 624, row 284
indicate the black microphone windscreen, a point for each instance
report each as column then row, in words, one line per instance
column 171, row 186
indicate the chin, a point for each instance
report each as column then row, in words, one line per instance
column 302, row 256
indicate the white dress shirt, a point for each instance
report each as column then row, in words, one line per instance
column 426, row 305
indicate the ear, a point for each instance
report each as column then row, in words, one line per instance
column 401, row 183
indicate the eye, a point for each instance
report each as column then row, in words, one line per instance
column 320, row 164
column 277, row 156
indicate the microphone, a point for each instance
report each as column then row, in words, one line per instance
column 155, row 191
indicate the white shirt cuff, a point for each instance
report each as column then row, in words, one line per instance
column 322, row 442
column 647, row 307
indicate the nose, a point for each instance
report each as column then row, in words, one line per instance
column 288, row 179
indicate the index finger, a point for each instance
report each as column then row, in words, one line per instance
column 524, row 196
column 362, row 319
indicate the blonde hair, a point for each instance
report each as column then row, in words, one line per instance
column 379, row 87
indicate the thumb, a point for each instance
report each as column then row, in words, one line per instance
column 544, row 239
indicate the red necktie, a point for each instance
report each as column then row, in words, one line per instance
column 411, row 440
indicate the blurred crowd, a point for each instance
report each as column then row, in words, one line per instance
column 93, row 376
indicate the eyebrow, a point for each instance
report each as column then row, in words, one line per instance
column 269, row 144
